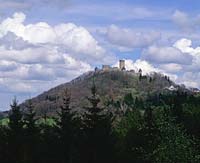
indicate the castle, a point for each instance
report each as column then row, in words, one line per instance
column 121, row 66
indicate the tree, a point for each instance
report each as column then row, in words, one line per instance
column 31, row 136
column 30, row 118
column 150, row 133
column 4, row 153
column 174, row 144
column 16, row 133
column 131, row 141
column 15, row 118
column 140, row 74
column 97, row 124
column 66, row 128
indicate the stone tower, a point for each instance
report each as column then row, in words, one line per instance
column 122, row 65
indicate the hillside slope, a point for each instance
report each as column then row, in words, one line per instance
column 110, row 85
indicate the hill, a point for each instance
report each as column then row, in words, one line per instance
column 112, row 84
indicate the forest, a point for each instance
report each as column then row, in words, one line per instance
column 162, row 128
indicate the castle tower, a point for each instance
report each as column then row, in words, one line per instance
column 106, row 67
column 122, row 65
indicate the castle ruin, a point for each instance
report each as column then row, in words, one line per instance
column 121, row 66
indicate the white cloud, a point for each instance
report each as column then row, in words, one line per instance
column 171, row 67
column 75, row 39
column 7, row 65
column 166, row 54
column 146, row 68
column 141, row 64
column 190, row 79
column 180, row 58
column 185, row 45
column 78, row 40
column 11, row 41
column 130, row 38
column 33, row 53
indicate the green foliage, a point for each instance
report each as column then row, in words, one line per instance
column 97, row 128
column 46, row 121
column 174, row 144
column 162, row 127
column 15, row 118
column 4, row 122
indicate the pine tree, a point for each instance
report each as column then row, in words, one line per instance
column 4, row 155
column 66, row 125
column 150, row 133
column 30, row 118
column 16, row 133
column 97, row 129
column 31, row 133
column 140, row 74
column 15, row 118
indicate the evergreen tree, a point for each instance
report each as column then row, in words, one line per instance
column 48, row 146
column 150, row 133
column 31, row 133
column 66, row 128
column 97, row 126
column 15, row 118
column 16, row 133
column 131, row 141
column 4, row 155
column 174, row 144
column 140, row 74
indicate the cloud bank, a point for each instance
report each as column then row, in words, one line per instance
column 31, row 53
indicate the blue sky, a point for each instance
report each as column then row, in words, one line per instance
column 44, row 43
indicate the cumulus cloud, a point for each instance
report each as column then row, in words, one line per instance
column 7, row 65
column 166, row 54
column 171, row 67
column 181, row 58
column 190, row 79
column 11, row 41
column 141, row 64
column 130, row 38
column 74, row 39
column 146, row 68
column 185, row 45
column 44, row 54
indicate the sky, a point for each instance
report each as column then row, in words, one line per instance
column 44, row 43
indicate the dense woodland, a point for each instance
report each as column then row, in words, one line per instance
column 161, row 128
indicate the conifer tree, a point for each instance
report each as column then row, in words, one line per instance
column 66, row 126
column 31, row 133
column 97, row 129
column 150, row 133
column 30, row 118
column 3, row 144
column 16, row 133
column 15, row 118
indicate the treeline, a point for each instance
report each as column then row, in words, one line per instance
column 162, row 128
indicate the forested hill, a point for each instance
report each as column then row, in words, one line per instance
column 110, row 85
column 161, row 125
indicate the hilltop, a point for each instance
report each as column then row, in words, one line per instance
column 111, row 84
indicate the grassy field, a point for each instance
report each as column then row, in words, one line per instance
column 48, row 121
